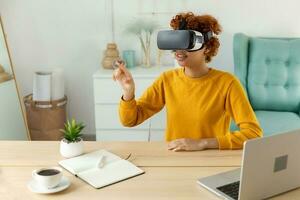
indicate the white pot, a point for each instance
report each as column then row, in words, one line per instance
column 71, row 149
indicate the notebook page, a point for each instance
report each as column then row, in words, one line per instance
column 87, row 161
column 111, row 173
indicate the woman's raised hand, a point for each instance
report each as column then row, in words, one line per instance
column 124, row 77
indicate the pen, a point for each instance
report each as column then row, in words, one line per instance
column 100, row 163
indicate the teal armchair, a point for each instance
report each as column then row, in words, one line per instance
column 269, row 70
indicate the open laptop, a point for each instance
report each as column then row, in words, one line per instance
column 270, row 166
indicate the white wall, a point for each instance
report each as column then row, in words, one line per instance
column 4, row 59
column 72, row 34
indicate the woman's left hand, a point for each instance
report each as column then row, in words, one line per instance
column 186, row 144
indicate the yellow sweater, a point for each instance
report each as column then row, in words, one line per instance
column 196, row 107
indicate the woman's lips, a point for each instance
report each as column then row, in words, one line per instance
column 180, row 56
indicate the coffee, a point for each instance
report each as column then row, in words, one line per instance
column 48, row 172
column 47, row 177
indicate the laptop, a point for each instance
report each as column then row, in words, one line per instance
column 270, row 166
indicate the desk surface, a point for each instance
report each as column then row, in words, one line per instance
column 169, row 175
column 144, row 154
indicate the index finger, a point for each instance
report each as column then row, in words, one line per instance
column 124, row 69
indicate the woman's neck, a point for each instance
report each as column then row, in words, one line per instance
column 196, row 71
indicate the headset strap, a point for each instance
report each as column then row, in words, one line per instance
column 182, row 24
column 207, row 35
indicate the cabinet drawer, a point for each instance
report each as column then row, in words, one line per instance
column 107, row 117
column 108, row 91
column 122, row 135
column 157, row 135
column 158, row 121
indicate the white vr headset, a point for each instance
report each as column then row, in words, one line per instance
column 189, row 40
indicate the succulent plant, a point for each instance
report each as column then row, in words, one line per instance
column 72, row 131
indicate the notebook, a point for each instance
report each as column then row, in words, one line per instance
column 113, row 170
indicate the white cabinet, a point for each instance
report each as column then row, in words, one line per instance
column 122, row 135
column 107, row 94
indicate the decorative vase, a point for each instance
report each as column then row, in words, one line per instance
column 129, row 58
column 111, row 53
column 71, row 149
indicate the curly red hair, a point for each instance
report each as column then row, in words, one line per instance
column 201, row 23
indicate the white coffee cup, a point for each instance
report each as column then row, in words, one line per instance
column 47, row 177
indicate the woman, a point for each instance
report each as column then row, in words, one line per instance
column 200, row 100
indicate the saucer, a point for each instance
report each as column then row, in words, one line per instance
column 34, row 187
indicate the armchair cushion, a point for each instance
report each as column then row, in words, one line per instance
column 273, row 81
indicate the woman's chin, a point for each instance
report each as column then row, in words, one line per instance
column 181, row 63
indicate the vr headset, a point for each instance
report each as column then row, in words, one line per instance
column 188, row 40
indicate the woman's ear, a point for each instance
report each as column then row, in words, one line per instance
column 205, row 52
column 205, row 49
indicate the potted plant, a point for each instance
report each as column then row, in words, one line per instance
column 72, row 144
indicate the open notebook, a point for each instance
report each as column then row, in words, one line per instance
column 114, row 169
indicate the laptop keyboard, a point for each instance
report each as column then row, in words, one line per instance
column 231, row 189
